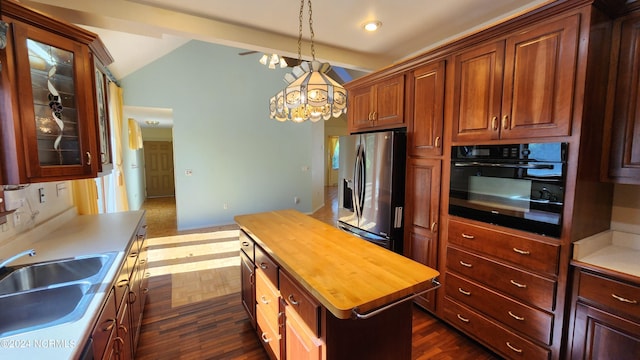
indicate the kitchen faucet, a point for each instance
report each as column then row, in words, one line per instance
column 31, row 252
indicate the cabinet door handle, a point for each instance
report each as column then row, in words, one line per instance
column 465, row 264
column 522, row 252
column 464, row 292
column 434, row 227
column 624, row 300
column 120, row 340
column 265, row 338
column 281, row 319
column 112, row 323
column 520, row 318
column 463, row 319
column 494, row 123
column 123, row 328
column 145, row 290
column 467, row 236
column 264, row 300
column 245, row 243
column 122, row 283
column 88, row 158
column 519, row 351
column 374, row 116
column 263, row 266
column 251, row 279
column 437, row 142
column 505, row 122
column 522, row 286
column 135, row 297
column 292, row 300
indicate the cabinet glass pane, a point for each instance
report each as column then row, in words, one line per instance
column 54, row 103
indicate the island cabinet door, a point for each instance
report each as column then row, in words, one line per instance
column 248, row 292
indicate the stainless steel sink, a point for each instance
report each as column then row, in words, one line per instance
column 56, row 272
column 36, row 309
column 50, row 293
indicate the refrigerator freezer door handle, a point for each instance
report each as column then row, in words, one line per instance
column 397, row 220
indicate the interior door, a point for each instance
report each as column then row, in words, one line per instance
column 158, row 158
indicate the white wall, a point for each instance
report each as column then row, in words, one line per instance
column 34, row 213
column 223, row 134
column 625, row 215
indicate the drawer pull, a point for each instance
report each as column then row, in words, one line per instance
column 467, row 236
column 463, row 319
column 135, row 297
column 122, row 283
column 123, row 328
column 292, row 300
column 112, row 323
column 263, row 266
column 265, row 338
column 264, row 300
column 624, row 300
column 519, row 318
column 519, row 351
column 465, row 264
column 521, row 252
column 245, row 243
column 522, row 286
column 145, row 290
column 464, row 292
column 120, row 340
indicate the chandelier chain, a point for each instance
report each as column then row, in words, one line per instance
column 300, row 21
column 300, row 31
column 313, row 49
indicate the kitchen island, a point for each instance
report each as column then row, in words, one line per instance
column 338, row 296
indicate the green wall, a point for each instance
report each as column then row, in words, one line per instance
column 222, row 132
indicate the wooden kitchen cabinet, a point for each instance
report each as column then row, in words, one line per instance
column 49, row 112
column 425, row 124
column 268, row 313
column 519, row 87
column 605, row 317
column 248, row 277
column 621, row 152
column 103, row 128
column 505, row 281
column 376, row 106
column 301, row 322
column 422, row 209
column 105, row 330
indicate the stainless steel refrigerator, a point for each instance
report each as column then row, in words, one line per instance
column 371, row 187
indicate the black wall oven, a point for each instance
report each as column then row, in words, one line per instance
column 520, row 186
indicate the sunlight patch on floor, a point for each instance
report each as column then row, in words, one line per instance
column 202, row 266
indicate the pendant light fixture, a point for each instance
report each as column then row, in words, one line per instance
column 311, row 94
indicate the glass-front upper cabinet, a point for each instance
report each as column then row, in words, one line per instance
column 56, row 105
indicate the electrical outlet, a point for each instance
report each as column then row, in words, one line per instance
column 225, row 206
column 296, row 200
column 17, row 218
column 41, row 193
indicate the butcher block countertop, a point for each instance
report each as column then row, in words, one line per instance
column 342, row 271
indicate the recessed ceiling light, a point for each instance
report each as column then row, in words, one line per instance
column 372, row 25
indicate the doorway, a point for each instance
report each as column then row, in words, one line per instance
column 333, row 154
column 158, row 159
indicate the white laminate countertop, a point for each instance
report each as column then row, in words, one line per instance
column 613, row 250
column 74, row 236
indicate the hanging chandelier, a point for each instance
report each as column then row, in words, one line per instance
column 311, row 94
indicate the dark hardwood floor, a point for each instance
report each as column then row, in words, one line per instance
column 218, row 328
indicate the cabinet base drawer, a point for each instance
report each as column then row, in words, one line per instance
column 529, row 321
column 501, row 340
column 525, row 286
column 622, row 298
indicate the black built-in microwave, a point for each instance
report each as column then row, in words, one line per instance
column 519, row 186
